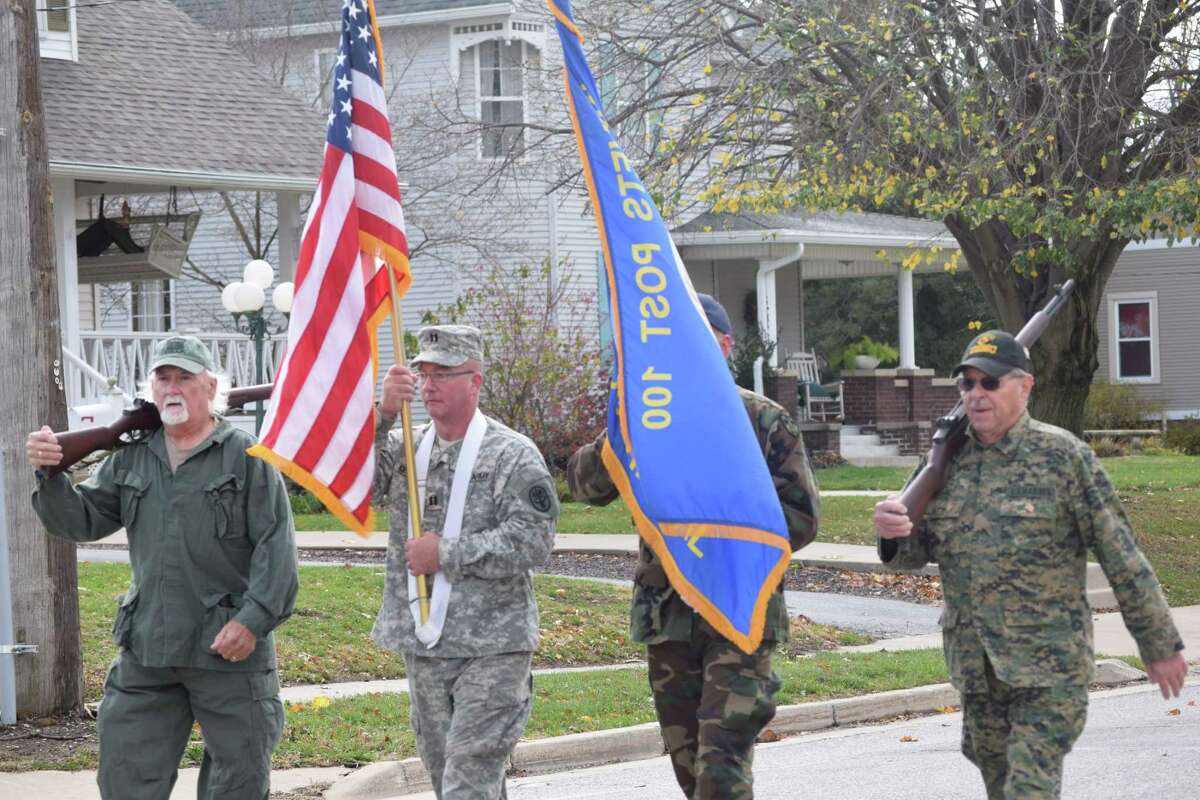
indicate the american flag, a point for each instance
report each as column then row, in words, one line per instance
column 320, row 429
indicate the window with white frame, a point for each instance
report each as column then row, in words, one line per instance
column 1133, row 337
column 150, row 305
column 500, row 70
column 56, row 29
column 627, row 79
column 324, row 62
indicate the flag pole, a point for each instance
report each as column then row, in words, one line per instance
column 410, row 459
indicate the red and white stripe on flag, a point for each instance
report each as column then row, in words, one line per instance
column 320, row 428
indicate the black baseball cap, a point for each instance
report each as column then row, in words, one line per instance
column 996, row 353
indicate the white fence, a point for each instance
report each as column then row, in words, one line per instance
column 125, row 357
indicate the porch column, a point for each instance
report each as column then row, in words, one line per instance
column 764, row 284
column 908, row 358
column 67, row 261
column 287, row 208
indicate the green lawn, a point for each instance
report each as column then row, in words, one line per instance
column 1127, row 472
column 328, row 637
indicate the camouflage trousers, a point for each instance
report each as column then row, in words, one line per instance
column 467, row 715
column 1018, row 737
column 712, row 701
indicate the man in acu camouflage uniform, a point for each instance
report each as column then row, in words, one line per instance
column 1023, row 504
column 471, row 689
column 712, row 700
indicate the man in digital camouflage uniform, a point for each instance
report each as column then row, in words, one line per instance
column 1024, row 503
column 213, row 556
column 712, row 700
column 470, row 682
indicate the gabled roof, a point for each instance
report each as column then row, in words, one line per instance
column 273, row 14
column 157, row 98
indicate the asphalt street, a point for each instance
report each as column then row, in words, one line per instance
column 1132, row 747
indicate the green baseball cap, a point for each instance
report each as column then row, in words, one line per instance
column 996, row 353
column 185, row 352
column 449, row 345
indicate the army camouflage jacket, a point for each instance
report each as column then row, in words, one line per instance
column 658, row 613
column 212, row 542
column 507, row 531
column 1011, row 532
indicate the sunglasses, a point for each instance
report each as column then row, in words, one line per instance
column 989, row 383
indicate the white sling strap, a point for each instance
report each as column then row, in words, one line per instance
column 431, row 631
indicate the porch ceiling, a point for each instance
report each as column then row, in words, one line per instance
column 155, row 99
column 835, row 245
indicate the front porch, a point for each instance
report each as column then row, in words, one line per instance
column 772, row 257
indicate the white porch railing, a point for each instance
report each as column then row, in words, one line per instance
column 125, row 356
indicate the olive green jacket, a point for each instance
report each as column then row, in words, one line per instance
column 658, row 613
column 212, row 542
column 1011, row 532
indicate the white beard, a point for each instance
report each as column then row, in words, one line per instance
column 173, row 414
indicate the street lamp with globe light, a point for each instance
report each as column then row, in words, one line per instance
column 244, row 300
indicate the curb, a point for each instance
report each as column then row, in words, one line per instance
column 390, row 780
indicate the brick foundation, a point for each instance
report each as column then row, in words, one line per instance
column 899, row 405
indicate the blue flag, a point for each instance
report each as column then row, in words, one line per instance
column 681, row 448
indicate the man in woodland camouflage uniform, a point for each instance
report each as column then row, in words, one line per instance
column 1023, row 504
column 712, row 699
column 469, row 673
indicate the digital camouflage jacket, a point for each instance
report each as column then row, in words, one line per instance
column 1011, row 532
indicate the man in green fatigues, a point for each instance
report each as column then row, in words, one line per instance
column 1023, row 504
column 213, row 552
column 712, row 700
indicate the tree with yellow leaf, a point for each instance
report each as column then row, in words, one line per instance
column 1045, row 136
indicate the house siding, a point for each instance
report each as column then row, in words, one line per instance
column 1174, row 273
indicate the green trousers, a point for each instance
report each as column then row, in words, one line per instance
column 146, row 717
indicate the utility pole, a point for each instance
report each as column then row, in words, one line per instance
column 41, row 571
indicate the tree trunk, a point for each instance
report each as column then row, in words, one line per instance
column 42, row 570
column 1064, row 358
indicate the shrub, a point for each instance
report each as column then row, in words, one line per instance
column 746, row 349
column 1108, row 446
column 820, row 459
column 1184, row 436
column 545, row 375
column 305, row 502
column 1116, row 406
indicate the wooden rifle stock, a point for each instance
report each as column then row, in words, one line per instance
column 951, row 433
column 142, row 418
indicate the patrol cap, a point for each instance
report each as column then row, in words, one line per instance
column 186, row 352
column 996, row 353
column 717, row 318
column 449, row 345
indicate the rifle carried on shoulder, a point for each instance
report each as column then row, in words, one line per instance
column 951, row 430
column 135, row 422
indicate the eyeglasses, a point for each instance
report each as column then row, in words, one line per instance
column 438, row 378
column 988, row 382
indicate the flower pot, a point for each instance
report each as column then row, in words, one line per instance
column 866, row 362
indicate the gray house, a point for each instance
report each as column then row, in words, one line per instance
column 1148, row 325
column 154, row 118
